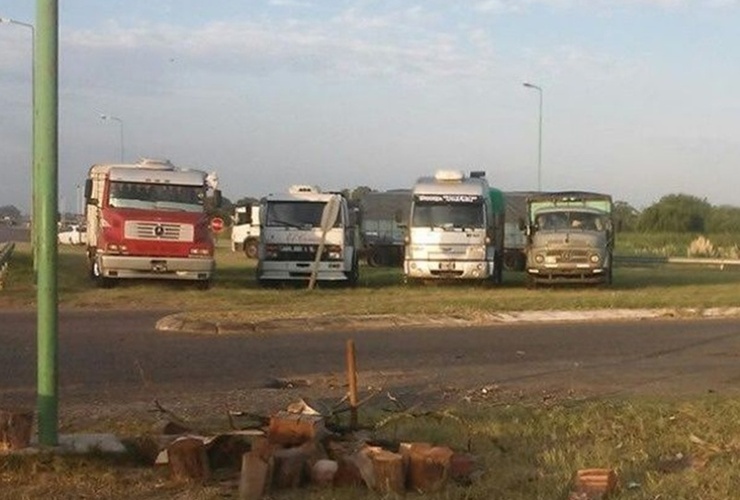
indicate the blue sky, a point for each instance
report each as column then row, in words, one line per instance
column 640, row 96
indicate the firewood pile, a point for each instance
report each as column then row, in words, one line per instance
column 299, row 448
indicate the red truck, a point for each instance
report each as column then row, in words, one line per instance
column 148, row 220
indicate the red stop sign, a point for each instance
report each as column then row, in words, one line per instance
column 217, row 224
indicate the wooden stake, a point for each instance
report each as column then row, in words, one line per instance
column 352, row 382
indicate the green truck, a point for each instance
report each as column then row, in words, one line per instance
column 570, row 238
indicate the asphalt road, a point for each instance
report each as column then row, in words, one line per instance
column 14, row 233
column 118, row 357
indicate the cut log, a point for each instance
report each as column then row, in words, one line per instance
column 255, row 476
column 428, row 466
column 291, row 467
column 15, row 429
column 389, row 474
column 348, row 473
column 188, row 459
column 462, row 467
column 323, row 472
column 225, row 451
column 294, row 429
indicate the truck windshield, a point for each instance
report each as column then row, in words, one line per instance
column 298, row 214
column 448, row 215
column 156, row 196
column 583, row 221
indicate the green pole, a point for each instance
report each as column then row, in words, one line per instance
column 45, row 192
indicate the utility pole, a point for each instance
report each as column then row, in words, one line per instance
column 45, row 151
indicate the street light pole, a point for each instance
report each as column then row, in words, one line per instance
column 120, row 123
column 34, row 175
column 539, row 144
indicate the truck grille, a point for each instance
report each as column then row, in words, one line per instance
column 573, row 256
column 158, row 231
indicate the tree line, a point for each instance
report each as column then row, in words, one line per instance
column 677, row 213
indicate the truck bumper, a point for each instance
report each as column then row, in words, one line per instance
column 448, row 269
column 568, row 275
column 287, row 271
column 125, row 266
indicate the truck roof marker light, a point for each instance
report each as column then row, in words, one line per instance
column 449, row 175
column 302, row 188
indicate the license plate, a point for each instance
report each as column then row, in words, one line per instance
column 447, row 266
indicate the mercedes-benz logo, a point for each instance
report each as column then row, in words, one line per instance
column 158, row 231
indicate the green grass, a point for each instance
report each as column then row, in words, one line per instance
column 235, row 295
column 526, row 450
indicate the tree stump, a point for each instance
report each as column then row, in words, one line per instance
column 256, row 475
column 15, row 429
column 428, row 466
column 188, row 459
column 389, row 474
column 294, row 429
column 291, row 466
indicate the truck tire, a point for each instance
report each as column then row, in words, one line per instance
column 373, row 259
column 97, row 277
column 353, row 276
column 203, row 284
column 250, row 249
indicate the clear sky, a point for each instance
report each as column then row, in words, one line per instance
column 641, row 97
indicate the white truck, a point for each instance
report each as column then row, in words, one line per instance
column 295, row 225
column 148, row 220
column 456, row 229
column 245, row 230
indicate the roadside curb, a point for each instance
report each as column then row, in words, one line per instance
column 184, row 322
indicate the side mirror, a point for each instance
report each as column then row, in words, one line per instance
column 522, row 224
column 88, row 193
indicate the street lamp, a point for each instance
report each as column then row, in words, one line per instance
column 34, row 176
column 539, row 144
column 120, row 123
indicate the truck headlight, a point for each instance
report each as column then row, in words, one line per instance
column 477, row 252
column 334, row 252
column 594, row 258
column 539, row 258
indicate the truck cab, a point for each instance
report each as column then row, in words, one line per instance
column 148, row 220
column 245, row 230
column 569, row 238
column 295, row 225
column 456, row 229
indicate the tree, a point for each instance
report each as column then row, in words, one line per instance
column 724, row 219
column 625, row 216
column 359, row 192
column 9, row 211
column 680, row 213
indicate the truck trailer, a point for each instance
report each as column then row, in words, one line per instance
column 456, row 229
column 148, row 220
column 383, row 219
column 570, row 238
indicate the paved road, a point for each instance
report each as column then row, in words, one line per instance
column 14, row 233
column 119, row 357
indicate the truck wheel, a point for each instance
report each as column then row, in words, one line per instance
column 531, row 282
column 373, row 259
column 354, row 275
column 498, row 269
column 97, row 277
column 203, row 284
column 250, row 249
